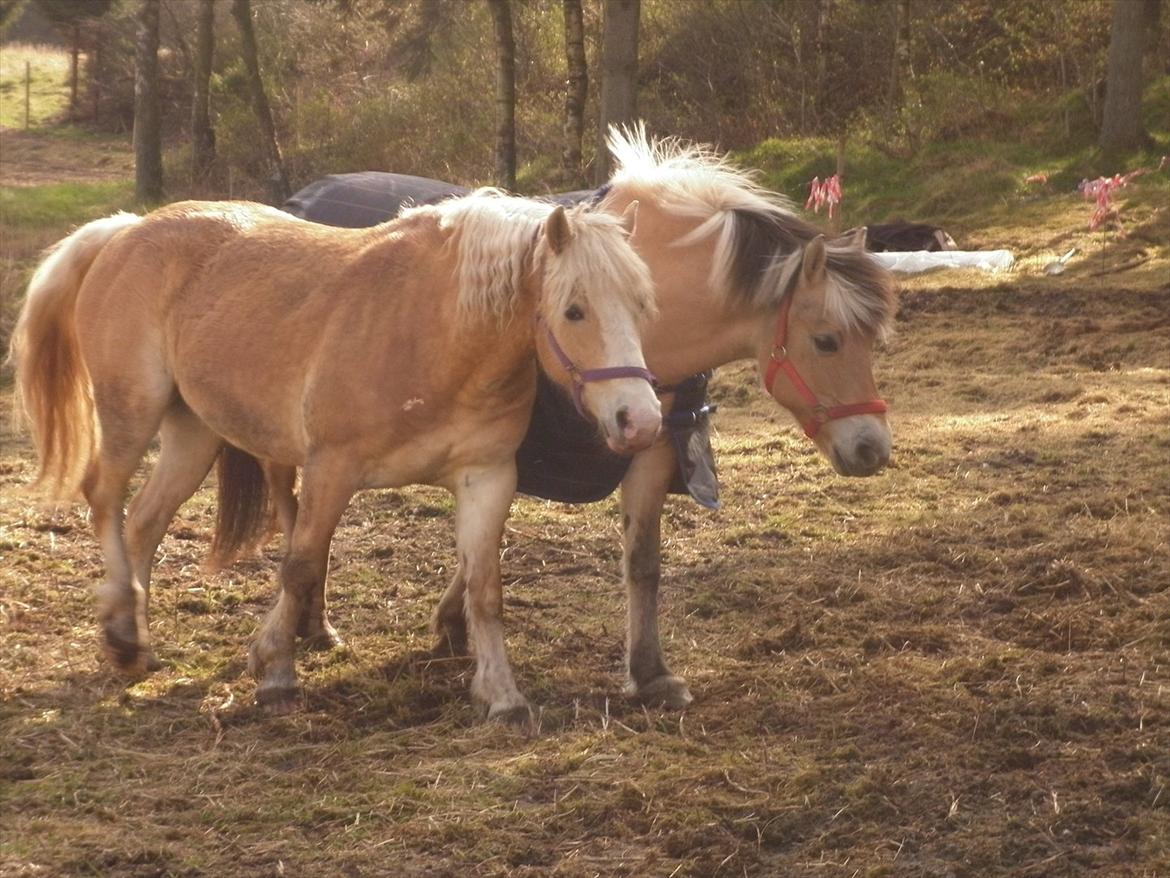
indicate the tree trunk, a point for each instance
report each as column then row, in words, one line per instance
column 97, row 71
column 202, row 134
column 576, row 87
column 619, row 75
column 148, row 172
column 1121, row 128
column 505, row 94
column 820, row 95
column 278, row 186
column 900, row 61
column 1153, row 16
column 74, row 57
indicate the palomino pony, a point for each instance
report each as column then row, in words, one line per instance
column 738, row 275
column 405, row 353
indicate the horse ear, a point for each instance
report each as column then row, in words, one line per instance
column 854, row 238
column 813, row 262
column 557, row 229
column 629, row 218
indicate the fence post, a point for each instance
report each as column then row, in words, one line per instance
column 27, row 88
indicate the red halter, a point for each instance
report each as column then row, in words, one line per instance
column 821, row 414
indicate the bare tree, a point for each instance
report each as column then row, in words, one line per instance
column 202, row 134
column 505, row 93
column 576, row 87
column 148, row 171
column 1121, row 128
column 279, row 189
column 619, row 74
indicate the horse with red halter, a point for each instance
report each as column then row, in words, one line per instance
column 401, row 354
column 738, row 275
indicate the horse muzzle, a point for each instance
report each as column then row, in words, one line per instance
column 633, row 427
column 864, row 452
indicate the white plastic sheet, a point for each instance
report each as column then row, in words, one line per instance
column 916, row 261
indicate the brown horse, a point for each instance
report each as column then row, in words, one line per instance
column 401, row 354
column 738, row 275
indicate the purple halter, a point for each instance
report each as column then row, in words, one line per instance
column 581, row 377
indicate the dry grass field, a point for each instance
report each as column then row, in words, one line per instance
column 960, row 667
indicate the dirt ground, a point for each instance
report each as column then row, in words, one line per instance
column 960, row 667
column 32, row 158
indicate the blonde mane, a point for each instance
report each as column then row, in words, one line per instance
column 758, row 236
column 498, row 242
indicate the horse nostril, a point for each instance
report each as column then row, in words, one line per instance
column 867, row 454
column 623, row 419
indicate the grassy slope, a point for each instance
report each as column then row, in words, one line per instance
column 48, row 84
column 957, row 668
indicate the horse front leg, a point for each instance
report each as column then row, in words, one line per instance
column 644, row 488
column 325, row 492
column 483, row 497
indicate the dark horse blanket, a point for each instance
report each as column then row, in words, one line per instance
column 562, row 457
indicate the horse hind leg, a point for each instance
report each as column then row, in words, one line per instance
column 129, row 419
column 188, row 449
column 449, row 622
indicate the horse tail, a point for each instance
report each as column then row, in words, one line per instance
column 54, row 393
column 242, row 518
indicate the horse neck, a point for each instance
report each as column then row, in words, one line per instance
column 697, row 327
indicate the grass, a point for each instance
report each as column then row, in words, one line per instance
column 961, row 182
column 48, row 68
column 54, row 206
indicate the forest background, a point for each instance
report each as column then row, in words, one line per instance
column 496, row 91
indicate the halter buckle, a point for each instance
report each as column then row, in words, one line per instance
column 779, row 353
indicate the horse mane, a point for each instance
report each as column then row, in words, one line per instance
column 498, row 243
column 759, row 237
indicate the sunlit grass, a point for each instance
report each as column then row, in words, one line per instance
column 27, row 208
column 48, row 67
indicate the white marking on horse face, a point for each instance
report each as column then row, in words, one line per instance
column 412, row 403
column 628, row 409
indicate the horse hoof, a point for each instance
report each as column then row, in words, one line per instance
column 151, row 662
column 518, row 716
column 666, row 691
column 447, row 646
column 124, row 651
column 322, row 641
column 279, row 700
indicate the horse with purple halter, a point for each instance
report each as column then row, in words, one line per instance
column 562, row 458
column 737, row 275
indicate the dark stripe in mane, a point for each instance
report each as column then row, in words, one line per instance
column 761, row 241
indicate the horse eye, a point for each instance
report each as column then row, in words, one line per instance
column 574, row 313
column 826, row 344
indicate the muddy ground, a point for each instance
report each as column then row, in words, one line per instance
column 960, row 667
